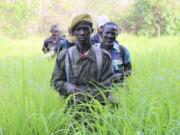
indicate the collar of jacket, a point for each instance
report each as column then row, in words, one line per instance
column 77, row 54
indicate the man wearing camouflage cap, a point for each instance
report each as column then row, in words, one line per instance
column 78, row 68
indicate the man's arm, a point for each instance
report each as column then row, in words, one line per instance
column 58, row 75
column 127, row 69
column 45, row 46
column 127, row 64
column 58, row 79
column 107, row 72
column 107, row 75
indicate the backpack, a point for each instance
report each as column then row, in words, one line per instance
column 69, row 58
column 122, row 50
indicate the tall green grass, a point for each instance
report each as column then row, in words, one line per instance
column 29, row 106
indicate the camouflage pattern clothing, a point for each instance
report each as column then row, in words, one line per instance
column 82, row 72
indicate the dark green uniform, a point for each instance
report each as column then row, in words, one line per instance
column 83, row 72
column 51, row 44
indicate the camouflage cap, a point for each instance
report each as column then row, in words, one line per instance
column 54, row 28
column 78, row 19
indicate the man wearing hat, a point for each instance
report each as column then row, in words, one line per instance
column 51, row 43
column 101, row 20
column 81, row 68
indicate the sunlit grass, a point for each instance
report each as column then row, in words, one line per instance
column 28, row 105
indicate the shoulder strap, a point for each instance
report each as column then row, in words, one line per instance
column 122, row 53
column 68, row 60
column 71, row 53
column 59, row 46
column 67, row 66
column 99, row 59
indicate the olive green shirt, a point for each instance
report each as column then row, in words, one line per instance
column 83, row 72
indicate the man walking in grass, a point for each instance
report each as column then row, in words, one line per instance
column 120, row 55
column 81, row 68
column 50, row 44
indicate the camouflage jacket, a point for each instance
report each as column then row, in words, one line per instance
column 83, row 72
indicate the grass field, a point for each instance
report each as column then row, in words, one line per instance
column 29, row 106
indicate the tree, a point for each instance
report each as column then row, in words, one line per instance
column 154, row 17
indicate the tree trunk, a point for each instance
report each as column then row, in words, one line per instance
column 157, row 30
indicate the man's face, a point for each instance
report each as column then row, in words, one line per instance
column 109, row 34
column 100, row 30
column 55, row 34
column 82, row 33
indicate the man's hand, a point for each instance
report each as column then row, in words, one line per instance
column 70, row 88
column 111, row 98
column 117, row 77
column 127, row 73
column 49, row 54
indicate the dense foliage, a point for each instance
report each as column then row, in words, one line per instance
column 140, row 17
